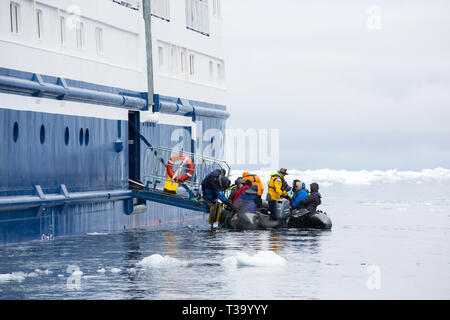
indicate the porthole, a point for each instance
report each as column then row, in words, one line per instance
column 86, row 138
column 81, row 136
column 66, row 136
column 16, row 132
column 42, row 136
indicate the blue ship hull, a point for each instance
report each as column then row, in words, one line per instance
column 63, row 175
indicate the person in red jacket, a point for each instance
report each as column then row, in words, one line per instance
column 246, row 186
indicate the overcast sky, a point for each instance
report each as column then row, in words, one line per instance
column 344, row 94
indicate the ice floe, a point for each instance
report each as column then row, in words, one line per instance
column 157, row 261
column 260, row 259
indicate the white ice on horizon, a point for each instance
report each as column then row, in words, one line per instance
column 362, row 177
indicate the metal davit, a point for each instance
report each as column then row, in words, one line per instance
column 174, row 177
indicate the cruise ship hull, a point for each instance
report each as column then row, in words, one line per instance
column 64, row 174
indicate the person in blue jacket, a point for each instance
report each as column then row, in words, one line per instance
column 214, row 186
column 300, row 193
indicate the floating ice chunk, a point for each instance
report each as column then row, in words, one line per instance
column 32, row 274
column 39, row 271
column 115, row 270
column 102, row 270
column 230, row 261
column 132, row 270
column 261, row 259
column 14, row 276
column 157, row 260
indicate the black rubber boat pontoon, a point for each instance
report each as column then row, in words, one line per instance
column 284, row 218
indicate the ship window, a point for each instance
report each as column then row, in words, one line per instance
column 80, row 35
column 161, row 56
column 86, row 138
column 62, row 29
column 161, row 9
column 40, row 22
column 81, row 136
column 191, row 64
column 211, row 70
column 66, row 136
column 14, row 9
column 16, row 131
column 217, row 10
column 173, row 59
column 99, row 39
column 42, row 135
column 219, row 71
column 197, row 16
column 183, row 63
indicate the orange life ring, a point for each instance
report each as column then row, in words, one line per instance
column 189, row 163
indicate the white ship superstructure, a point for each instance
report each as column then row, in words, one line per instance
column 187, row 50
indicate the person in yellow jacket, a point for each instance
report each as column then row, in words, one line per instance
column 255, row 180
column 277, row 189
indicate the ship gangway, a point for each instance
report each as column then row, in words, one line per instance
column 173, row 177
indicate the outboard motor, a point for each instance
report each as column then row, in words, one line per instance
column 282, row 212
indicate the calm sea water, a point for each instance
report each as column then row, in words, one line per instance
column 389, row 241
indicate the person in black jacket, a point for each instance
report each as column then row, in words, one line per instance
column 312, row 201
column 214, row 185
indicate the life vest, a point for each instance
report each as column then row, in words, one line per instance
column 254, row 180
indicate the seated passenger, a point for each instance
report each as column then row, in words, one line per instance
column 238, row 184
column 291, row 193
column 300, row 193
column 245, row 187
column 214, row 185
column 312, row 201
column 248, row 200
column 254, row 180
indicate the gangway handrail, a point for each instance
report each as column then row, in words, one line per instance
column 155, row 169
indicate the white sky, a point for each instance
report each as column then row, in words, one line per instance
column 344, row 96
